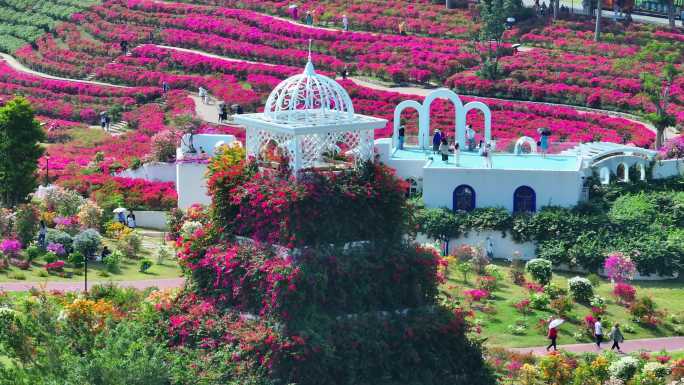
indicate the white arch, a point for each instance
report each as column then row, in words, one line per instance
column 625, row 177
column 604, row 175
column 424, row 118
column 487, row 121
column 525, row 139
column 397, row 117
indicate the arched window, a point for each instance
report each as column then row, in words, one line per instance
column 464, row 198
column 605, row 175
column 524, row 200
column 412, row 189
column 641, row 169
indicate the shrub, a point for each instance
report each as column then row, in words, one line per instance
column 539, row 301
column 561, row 306
column 624, row 368
column 625, row 293
column 33, row 252
column 63, row 202
column 465, row 268
column 163, row 254
column 55, row 266
column 480, row 261
column 598, row 305
column 164, row 144
column 42, row 273
column 540, row 270
column 26, row 223
column 487, row 283
column 476, row 295
column 113, row 261
column 56, row 236
column 90, row 216
column 581, row 289
column 619, row 267
column 76, row 259
column 630, row 209
column 10, row 247
column 518, row 277
column 494, row 271
column 88, row 242
column 17, row 275
column 144, row 265
column 644, row 311
column 517, row 329
column 554, row 291
column 57, row 249
column 594, row 279
column 50, row 257
column 523, row 306
column 130, row 244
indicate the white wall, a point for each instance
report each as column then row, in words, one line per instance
column 151, row 219
column 206, row 141
column 191, row 184
column 668, row 168
column 495, row 188
column 155, row 172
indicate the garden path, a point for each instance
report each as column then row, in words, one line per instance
column 15, row 64
column 647, row 344
column 167, row 283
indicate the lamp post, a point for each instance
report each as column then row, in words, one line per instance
column 47, row 170
column 85, row 259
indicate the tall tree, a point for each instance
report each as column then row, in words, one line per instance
column 599, row 11
column 493, row 15
column 657, row 88
column 20, row 135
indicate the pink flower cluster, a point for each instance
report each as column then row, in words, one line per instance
column 54, row 266
column 619, row 267
column 10, row 247
column 476, row 295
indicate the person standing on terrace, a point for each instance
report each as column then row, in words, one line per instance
column 294, row 12
column 436, row 141
column 457, row 153
column 470, row 136
column 444, row 150
column 345, row 22
column 401, row 136
column 309, row 18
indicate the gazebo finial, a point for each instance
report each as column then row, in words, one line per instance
column 309, row 69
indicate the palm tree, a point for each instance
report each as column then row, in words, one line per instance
column 657, row 88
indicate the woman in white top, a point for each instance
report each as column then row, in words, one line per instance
column 130, row 220
column 457, row 153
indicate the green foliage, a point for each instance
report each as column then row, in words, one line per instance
column 465, row 268
column 88, row 242
column 130, row 244
column 20, row 135
column 540, row 270
column 33, row 252
column 57, row 236
column 144, row 265
column 581, row 289
column 26, row 223
column 633, row 209
column 439, row 224
column 594, row 279
column 113, row 260
column 76, row 259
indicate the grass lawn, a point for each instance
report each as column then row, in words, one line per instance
column 97, row 271
column 669, row 296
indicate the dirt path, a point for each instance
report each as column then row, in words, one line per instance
column 648, row 344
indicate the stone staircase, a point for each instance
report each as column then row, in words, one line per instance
column 91, row 76
column 119, row 128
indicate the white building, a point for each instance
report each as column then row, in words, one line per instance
column 310, row 119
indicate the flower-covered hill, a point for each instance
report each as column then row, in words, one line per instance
column 568, row 67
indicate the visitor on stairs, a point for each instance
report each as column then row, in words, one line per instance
column 598, row 332
column 401, row 136
column 108, row 122
column 436, row 141
column 165, row 87
column 617, row 337
column 294, row 12
column 444, row 150
column 345, row 22
column 103, row 120
column 203, row 95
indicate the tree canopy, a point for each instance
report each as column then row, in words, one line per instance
column 20, row 135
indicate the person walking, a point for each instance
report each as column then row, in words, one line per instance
column 544, row 142
column 124, row 47
column 617, row 337
column 553, row 336
column 345, row 72
column 436, row 141
column 345, row 22
column 103, row 120
column 309, row 18
column 165, row 87
column 108, row 122
column 42, row 233
column 598, row 332
column 121, row 217
column 401, row 136
column 444, row 150
column 457, row 153
column 294, row 12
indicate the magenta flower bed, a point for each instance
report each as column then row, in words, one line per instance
column 10, row 247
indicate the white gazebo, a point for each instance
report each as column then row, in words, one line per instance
column 307, row 116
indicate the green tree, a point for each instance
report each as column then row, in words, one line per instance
column 20, row 135
column 493, row 15
column 657, row 89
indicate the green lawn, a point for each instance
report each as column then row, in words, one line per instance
column 97, row 271
column 669, row 296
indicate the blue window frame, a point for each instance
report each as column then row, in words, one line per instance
column 524, row 200
column 464, row 198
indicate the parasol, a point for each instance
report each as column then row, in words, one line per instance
column 556, row 323
column 293, row 6
column 119, row 210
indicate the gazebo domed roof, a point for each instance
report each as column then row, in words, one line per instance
column 309, row 98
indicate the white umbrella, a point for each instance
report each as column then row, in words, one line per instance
column 556, row 323
column 119, row 210
column 293, row 6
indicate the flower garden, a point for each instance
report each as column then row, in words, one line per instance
column 274, row 294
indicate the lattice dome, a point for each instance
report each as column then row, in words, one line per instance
column 309, row 98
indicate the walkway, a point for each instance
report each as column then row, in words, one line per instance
column 16, row 65
column 167, row 283
column 647, row 344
